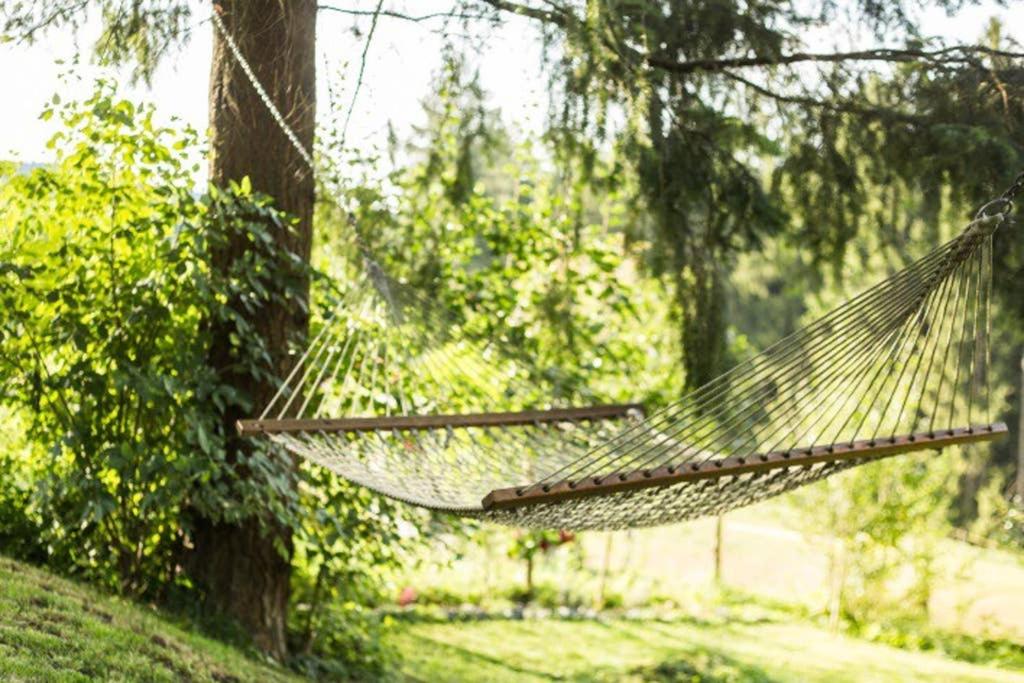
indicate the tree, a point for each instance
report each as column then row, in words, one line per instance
column 240, row 559
column 737, row 131
column 243, row 566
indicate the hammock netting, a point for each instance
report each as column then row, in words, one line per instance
column 442, row 420
column 445, row 418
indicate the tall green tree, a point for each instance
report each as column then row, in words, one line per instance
column 239, row 561
column 738, row 127
column 244, row 566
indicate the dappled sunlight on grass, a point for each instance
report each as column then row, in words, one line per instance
column 54, row 629
column 663, row 651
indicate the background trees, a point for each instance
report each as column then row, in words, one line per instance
column 737, row 128
column 240, row 563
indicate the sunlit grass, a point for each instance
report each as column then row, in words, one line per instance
column 52, row 629
column 684, row 650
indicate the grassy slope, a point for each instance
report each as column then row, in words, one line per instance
column 623, row 650
column 52, row 629
column 55, row 630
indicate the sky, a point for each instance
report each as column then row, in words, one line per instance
column 402, row 60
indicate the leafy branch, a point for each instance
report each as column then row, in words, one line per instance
column 561, row 16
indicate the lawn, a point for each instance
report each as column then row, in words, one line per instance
column 52, row 629
column 976, row 590
column 770, row 628
column 684, row 650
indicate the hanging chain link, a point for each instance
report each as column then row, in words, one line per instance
column 1013, row 190
column 1003, row 205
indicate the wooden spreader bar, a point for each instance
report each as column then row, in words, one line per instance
column 665, row 476
column 425, row 422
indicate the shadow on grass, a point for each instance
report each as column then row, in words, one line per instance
column 691, row 666
column 473, row 656
column 706, row 667
column 432, row 614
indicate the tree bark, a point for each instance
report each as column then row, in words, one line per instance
column 1019, row 488
column 243, row 569
column 718, row 550
column 700, row 292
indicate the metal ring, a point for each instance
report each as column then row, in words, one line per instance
column 1006, row 206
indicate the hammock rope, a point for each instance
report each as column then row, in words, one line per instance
column 395, row 394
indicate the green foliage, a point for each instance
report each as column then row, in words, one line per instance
column 726, row 156
column 916, row 634
column 527, row 544
column 351, row 643
column 883, row 521
column 99, row 339
column 112, row 293
column 521, row 257
column 255, row 481
column 1000, row 518
column 135, row 32
column 20, row 527
column 346, row 547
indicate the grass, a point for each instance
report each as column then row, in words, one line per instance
column 52, row 629
column 715, row 651
column 768, row 627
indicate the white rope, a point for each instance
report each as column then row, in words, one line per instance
column 260, row 90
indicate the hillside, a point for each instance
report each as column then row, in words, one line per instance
column 52, row 629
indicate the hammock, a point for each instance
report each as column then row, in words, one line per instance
column 443, row 420
column 899, row 368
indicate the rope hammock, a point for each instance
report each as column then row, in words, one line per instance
column 447, row 421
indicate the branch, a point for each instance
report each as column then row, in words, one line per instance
column 835, row 107
column 61, row 14
column 556, row 16
column 956, row 54
column 399, row 15
column 362, row 70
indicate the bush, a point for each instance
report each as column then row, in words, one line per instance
column 109, row 296
column 98, row 345
column 20, row 527
column 917, row 634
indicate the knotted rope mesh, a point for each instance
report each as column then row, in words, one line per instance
column 908, row 356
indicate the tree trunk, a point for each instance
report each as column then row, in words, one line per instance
column 1019, row 488
column 718, row 550
column 602, row 585
column 529, row 578
column 700, row 292
column 243, row 569
column 836, row 583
